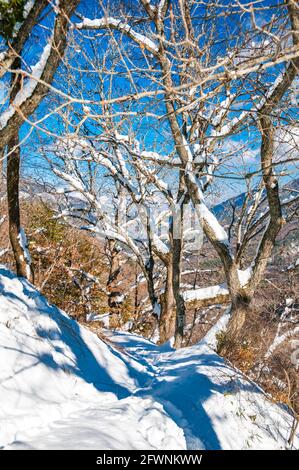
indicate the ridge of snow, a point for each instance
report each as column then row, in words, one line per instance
column 99, row 23
column 28, row 88
column 205, row 293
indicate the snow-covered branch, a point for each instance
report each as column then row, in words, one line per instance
column 119, row 25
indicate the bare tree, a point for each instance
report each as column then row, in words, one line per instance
column 24, row 98
column 193, row 77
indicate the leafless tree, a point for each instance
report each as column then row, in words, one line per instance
column 201, row 87
column 24, row 97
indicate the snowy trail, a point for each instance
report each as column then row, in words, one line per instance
column 215, row 406
column 176, row 400
column 62, row 387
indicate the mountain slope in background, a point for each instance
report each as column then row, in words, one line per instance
column 224, row 209
column 61, row 386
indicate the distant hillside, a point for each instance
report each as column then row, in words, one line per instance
column 224, row 209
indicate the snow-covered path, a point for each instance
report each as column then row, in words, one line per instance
column 215, row 406
column 62, row 387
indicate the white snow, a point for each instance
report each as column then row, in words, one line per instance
column 211, row 337
column 103, row 317
column 289, row 301
column 28, row 88
column 24, row 245
column 114, row 23
column 223, row 108
column 160, row 245
column 232, row 124
column 218, row 231
column 62, row 387
column 205, row 293
column 244, row 276
column 28, row 7
column 157, row 309
column 3, row 251
column 119, row 298
column 211, row 292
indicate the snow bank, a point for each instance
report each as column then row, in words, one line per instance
column 54, row 372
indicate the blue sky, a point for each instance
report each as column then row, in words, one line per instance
column 153, row 134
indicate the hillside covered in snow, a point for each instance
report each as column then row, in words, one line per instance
column 63, row 387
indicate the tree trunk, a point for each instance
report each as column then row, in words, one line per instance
column 179, row 301
column 167, row 317
column 149, row 268
column 17, row 240
column 149, row 275
column 14, row 220
column 2, row 155
column 239, row 310
column 180, row 322
column 136, row 293
column 115, row 299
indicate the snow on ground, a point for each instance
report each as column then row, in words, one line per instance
column 62, row 387
column 213, row 403
column 57, row 377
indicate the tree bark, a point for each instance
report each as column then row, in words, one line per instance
column 14, row 219
column 167, row 317
column 177, row 240
column 23, row 267
column 149, row 267
column 114, row 294
column 240, row 307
